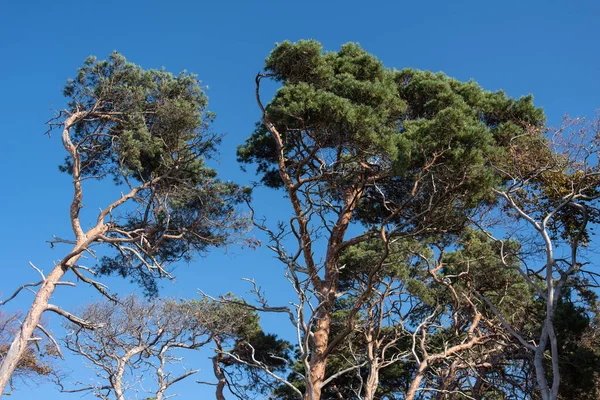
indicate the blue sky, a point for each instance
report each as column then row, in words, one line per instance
column 548, row 48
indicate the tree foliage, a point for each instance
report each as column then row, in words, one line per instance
column 402, row 154
column 344, row 118
column 151, row 128
column 150, row 131
column 437, row 241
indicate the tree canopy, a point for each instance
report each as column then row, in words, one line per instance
column 399, row 153
column 150, row 131
column 436, row 244
column 346, row 117
column 151, row 128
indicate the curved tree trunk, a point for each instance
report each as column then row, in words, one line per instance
column 19, row 343
column 42, row 297
column 414, row 386
column 218, row 371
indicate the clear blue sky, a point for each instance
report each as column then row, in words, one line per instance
column 548, row 48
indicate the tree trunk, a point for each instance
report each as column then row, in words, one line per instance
column 372, row 382
column 218, row 371
column 327, row 294
column 540, row 372
column 40, row 304
column 318, row 360
column 414, row 386
column 42, row 297
column 372, row 351
column 447, row 383
column 119, row 391
column 221, row 382
column 117, row 379
column 19, row 343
